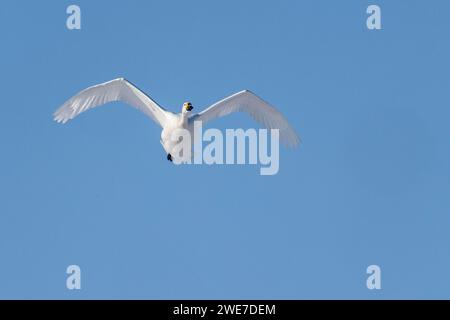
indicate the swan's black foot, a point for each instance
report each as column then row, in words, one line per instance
column 169, row 157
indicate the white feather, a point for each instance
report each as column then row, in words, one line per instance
column 114, row 90
column 257, row 108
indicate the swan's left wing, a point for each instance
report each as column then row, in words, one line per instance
column 257, row 108
column 114, row 90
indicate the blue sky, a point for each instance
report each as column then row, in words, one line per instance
column 368, row 185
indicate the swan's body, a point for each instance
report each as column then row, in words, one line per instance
column 122, row 90
column 174, row 123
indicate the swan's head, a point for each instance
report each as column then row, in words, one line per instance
column 187, row 107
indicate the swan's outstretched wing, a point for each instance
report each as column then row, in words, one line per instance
column 261, row 111
column 114, row 90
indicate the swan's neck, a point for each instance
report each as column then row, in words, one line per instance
column 184, row 119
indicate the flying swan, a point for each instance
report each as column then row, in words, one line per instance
column 122, row 90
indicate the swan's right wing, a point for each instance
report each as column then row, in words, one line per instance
column 248, row 102
column 114, row 90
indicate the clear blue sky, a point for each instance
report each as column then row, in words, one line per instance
column 369, row 185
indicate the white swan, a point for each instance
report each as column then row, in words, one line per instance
column 122, row 90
